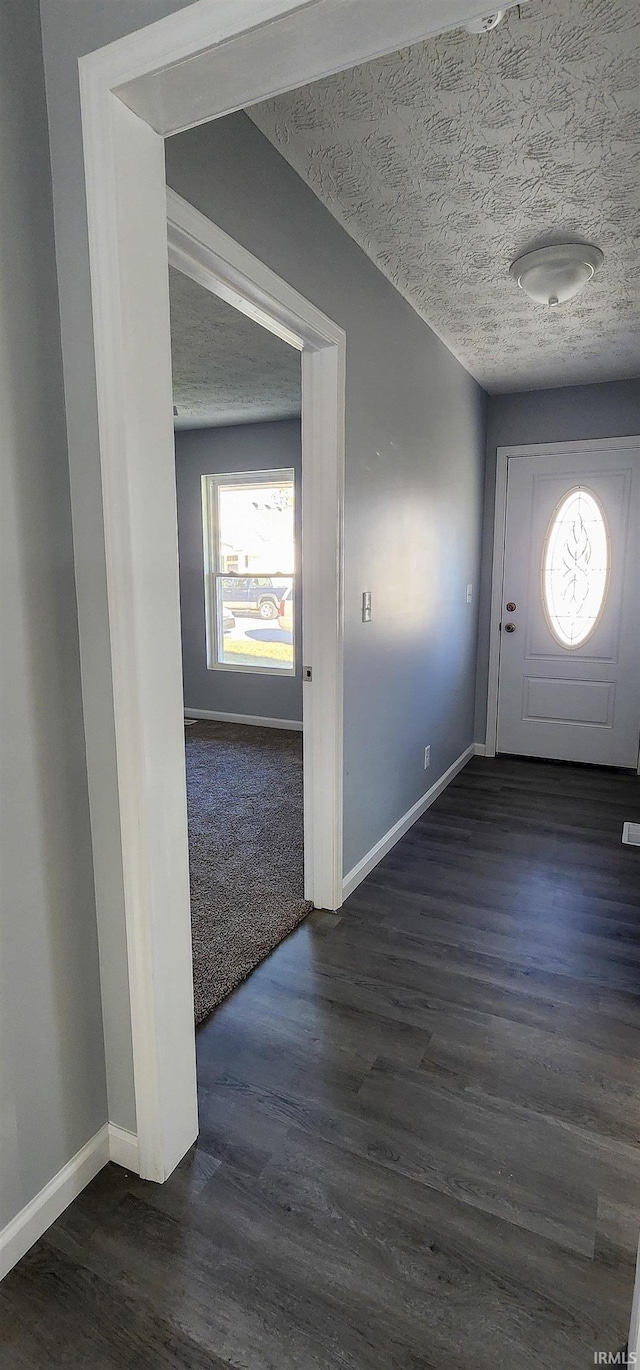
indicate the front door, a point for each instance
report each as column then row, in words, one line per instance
column 569, row 674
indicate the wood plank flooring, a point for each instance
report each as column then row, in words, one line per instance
column 420, row 1123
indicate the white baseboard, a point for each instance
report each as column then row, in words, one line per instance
column 633, row 1351
column 251, row 719
column 480, row 748
column 111, row 1143
column 123, row 1148
column 363, row 868
column 34, row 1219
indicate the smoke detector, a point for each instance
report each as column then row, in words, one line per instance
column 486, row 23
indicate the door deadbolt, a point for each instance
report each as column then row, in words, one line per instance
column 509, row 627
column 511, row 607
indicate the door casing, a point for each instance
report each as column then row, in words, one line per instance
column 206, row 254
column 499, row 539
column 195, row 65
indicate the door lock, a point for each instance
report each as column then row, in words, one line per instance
column 509, row 627
column 511, row 607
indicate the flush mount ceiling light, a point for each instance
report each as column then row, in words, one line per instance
column 552, row 275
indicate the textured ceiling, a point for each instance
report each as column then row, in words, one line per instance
column 226, row 368
column 447, row 160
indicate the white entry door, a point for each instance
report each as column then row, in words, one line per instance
column 569, row 673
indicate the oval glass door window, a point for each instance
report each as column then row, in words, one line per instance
column 575, row 568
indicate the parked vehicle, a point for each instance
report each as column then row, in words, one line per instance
column 285, row 611
column 228, row 621
column 251, row 595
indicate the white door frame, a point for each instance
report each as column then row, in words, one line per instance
column 540, row 449
column 201, row 250
column 196, row 65
column 633, row 1344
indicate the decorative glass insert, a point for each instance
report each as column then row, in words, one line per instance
column 575, row 567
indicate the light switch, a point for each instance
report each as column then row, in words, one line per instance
column 366, row 606
column 469, row 593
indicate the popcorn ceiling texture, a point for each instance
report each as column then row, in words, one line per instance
column 226, row 368
column 449, row 159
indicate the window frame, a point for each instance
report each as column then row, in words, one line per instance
column 211, row 483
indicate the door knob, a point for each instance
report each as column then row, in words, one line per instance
column 509, row 627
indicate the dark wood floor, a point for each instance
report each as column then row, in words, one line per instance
column 420, row 1123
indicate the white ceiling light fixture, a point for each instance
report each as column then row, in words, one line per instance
column 553, row 275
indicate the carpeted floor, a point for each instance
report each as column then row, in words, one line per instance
column 244, row 793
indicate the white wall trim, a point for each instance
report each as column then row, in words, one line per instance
column 227, row 65
column 123, row 1148
column 110, row 1143
column 206, row 254
column 196, row 65
column 480, row 749
column 132, row 220
column 503, row 456
column 497, row 577
column 126, row 203
column 363, row 868
column 633, row 1345
column 34, row 1219
column 253, row 720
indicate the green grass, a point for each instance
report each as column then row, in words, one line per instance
column 269, row 651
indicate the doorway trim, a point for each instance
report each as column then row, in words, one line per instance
column 195, row 65
column 503, row 454
column 202, row 251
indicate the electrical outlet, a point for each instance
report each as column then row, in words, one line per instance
column 427, row 757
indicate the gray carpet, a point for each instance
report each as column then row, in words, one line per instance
column 244, row 794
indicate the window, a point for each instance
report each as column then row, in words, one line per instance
column 249, row 570
column 575, row 568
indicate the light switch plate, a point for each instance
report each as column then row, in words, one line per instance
column 366, row 606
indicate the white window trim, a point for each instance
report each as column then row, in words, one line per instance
column 211, row 484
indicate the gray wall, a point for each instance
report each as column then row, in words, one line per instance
column 206, row 451
column 576, row 412
column 415, row 439
column 52, row 1079
column 68, row 31
column 415, row 458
